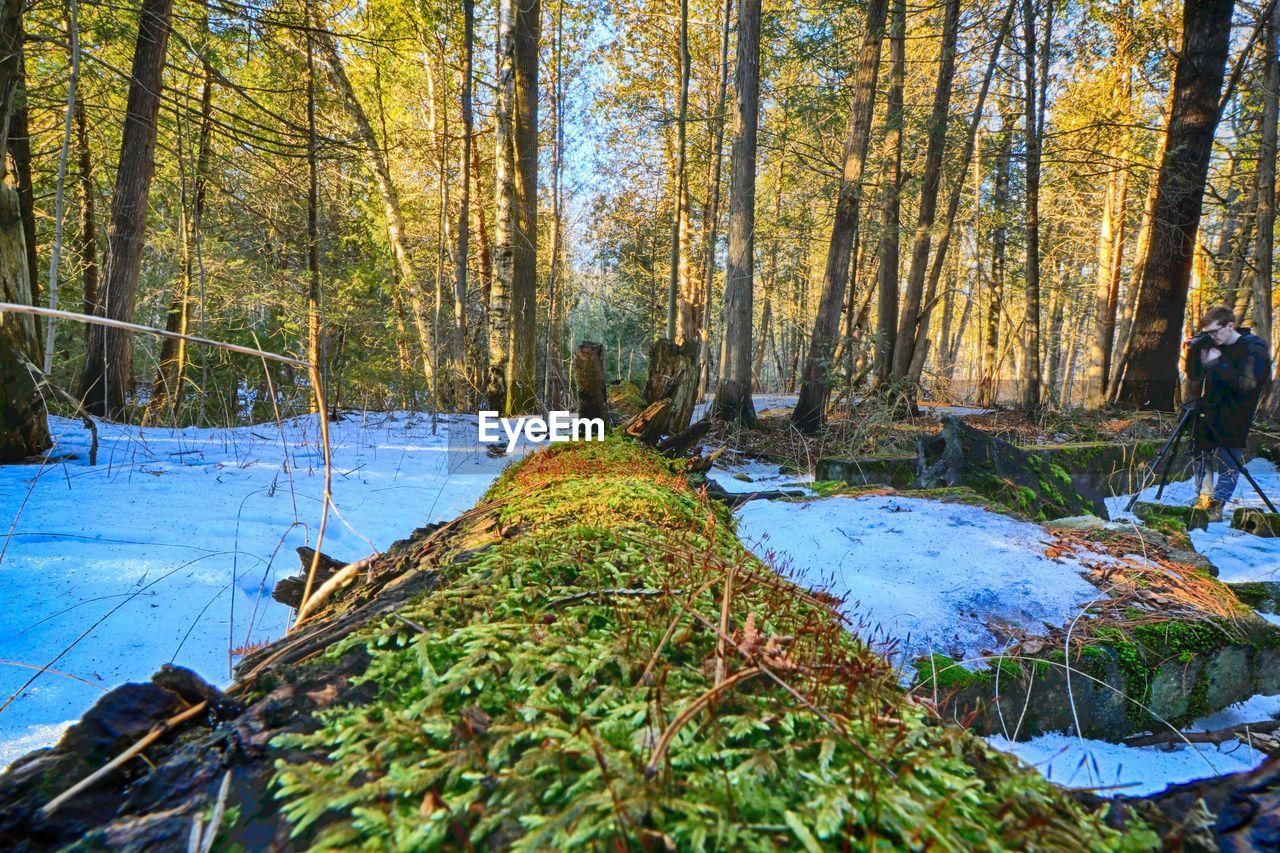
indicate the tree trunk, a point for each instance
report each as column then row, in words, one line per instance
column 376, row 157
column 314, row 354
column 588, row 374
column 682, row 317
column 87, row 238
column 24, row 431
column 1152, row 376
column 766, row 317
column 733, row 392
column 60, row 190
column 464, row 206
column 931, row 180
column 711, row 208
column 1264, row 237
column 1034, row 108
column 19, row 147
column 500, row 329
column 890, row 205
column 105, row 378
column 810, row 409
column 522, row 360
column 167, row 389
column 988, row 390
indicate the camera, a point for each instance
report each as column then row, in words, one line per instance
column 1201, row 341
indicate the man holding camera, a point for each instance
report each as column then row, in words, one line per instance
column 1227, row 371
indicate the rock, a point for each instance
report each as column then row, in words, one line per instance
column 1257, row 522
column 961, row 455
column 1162, row 515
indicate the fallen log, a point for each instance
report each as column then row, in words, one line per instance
column 541, row 673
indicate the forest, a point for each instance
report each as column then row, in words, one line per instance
column 816, row 264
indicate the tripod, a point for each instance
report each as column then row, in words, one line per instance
column 1170, row 452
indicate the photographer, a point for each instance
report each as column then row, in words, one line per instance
column 1227, row 370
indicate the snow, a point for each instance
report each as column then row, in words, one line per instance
column 926, row 574
column 1239, row 556
column 762, row 402
column 168, row 549
column 754, row 476
column 1139, row 771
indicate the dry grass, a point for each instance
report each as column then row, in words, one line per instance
column 1143, row 585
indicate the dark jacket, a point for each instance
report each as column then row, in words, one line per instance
column 1232, row 387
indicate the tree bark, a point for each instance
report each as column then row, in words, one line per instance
column 500, row 328
column 931, row 181
column 1264, row 237
column 711, row 208
column 1034, row 104
column 682, row 318
column 890, row 205
column 87, row 238
column 1152, row 376
column 988, row 390
column 314, row 354
column 733, row 393
column 464, row 206
column 588, row 374
column 810, row 409
column 59, row 202
column 522, row 362
column 105, row 378
column 24, row 431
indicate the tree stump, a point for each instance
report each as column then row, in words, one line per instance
column 673, row 375
column 588, row 375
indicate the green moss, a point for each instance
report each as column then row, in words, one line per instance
column 503, row 711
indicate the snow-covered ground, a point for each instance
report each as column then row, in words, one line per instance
column 1138, row 771
column 755, row 476
column 926, row 574
column 930, row 575
column 168, row 549
column 763, row 403
column 1239, row 556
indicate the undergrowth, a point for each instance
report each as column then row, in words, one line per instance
column 559, row 691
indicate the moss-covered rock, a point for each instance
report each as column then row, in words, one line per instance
column 1026, row 483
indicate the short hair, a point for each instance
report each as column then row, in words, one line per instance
column 1221, row 314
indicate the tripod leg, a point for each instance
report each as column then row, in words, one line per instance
column 1239, row 466
column 1168, row 463
column 1162, row 456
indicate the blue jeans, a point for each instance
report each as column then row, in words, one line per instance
column 1216, row 460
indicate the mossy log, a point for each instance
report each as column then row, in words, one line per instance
column 589, row 658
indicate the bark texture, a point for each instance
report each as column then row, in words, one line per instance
column 104, row 382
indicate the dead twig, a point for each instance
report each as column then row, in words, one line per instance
column 664, row 742
column 310, row 603
column 157, row 731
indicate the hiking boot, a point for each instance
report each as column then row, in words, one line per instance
column 1203, row 501
column 1214, row 511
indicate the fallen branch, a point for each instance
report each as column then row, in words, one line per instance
column 157, row 731
column 329, row 587
column 1243, row 732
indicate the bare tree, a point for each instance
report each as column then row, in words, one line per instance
column 105, row 377
column 1151, row 377
column 815, row 385
column 890, row 205
column 733, row 392
column 23, row 427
